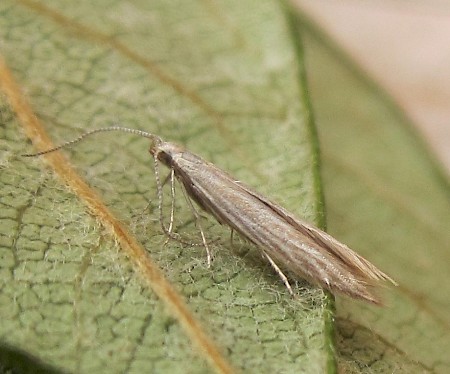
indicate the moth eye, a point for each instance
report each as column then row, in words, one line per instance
column 165, row 158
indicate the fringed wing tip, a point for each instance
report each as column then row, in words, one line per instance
column 370, row 271
column 366, row 290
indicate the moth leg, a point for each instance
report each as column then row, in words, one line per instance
column 200, row 228
column 231, row 237
column 171, row 176
column 159, row 186
column 172, row 194
column 280, row 273
column 168, row 231
column 167, row 178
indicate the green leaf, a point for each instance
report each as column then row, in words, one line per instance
column 387, row 198
column 223, row 80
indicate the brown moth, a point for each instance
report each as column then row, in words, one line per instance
column 288, row 243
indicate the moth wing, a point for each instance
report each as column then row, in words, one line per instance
column 339, row 250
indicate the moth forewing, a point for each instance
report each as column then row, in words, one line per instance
column 292, row 244
column 328, row 242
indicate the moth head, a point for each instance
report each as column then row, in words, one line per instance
column 165, row 151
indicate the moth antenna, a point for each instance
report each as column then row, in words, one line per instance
column 86, row 134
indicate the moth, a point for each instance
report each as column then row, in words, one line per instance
column 289, row 243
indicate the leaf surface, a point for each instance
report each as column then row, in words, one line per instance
column 221, row 79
